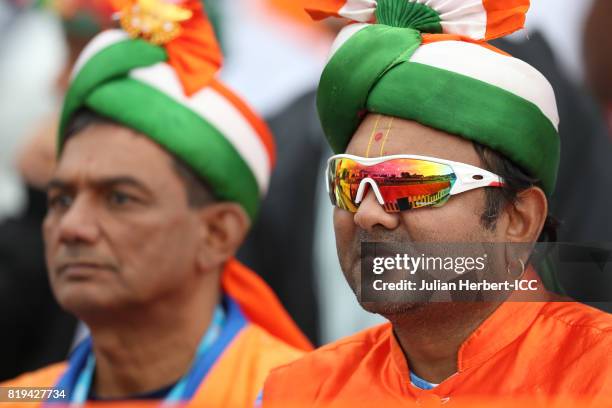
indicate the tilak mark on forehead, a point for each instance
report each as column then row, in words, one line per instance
column 379, row 135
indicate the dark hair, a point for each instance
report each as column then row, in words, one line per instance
column 199, row 193
column 515, row 181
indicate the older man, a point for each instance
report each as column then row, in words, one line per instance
column 443, row 139
column 160, row 171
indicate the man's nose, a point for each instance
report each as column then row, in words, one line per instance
column 78, row 224
column 370, row 213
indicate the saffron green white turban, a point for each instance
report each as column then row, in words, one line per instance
column 157, row 76
column 428, row 61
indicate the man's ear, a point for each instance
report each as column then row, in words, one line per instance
column 223, row 229
column 526, row 217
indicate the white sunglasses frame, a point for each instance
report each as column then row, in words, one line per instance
column 468, row 177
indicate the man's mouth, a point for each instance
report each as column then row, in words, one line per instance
column 82, row 269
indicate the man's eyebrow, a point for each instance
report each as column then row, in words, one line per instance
column 105, row 182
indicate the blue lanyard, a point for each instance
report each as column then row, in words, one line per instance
column 83, row 383
column 421, row 383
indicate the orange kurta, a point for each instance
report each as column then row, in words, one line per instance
column 539, row 353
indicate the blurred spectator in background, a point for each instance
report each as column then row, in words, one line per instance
column 598, row 55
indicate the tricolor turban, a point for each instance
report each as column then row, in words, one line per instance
column 429, row 61
column 157, row 76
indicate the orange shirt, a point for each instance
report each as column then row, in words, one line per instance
column 541, row 353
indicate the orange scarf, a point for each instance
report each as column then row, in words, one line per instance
column 260, row 305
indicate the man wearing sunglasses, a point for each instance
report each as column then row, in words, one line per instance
column 441, row 138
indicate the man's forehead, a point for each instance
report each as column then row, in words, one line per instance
column 111, row 151
column 381, row 135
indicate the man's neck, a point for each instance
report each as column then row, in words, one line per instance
column 144, row 351
column 431, row 335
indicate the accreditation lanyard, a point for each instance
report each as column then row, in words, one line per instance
column 83, row 383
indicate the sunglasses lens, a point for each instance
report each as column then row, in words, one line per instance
column 342, row 184
column 404, row 184
column 408, row 183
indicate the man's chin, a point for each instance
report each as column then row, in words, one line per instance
column 388, row 309
column 85, row 302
